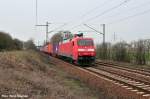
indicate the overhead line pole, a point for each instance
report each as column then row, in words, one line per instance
column 36, row 12
column 103, row 33
column 47, row 25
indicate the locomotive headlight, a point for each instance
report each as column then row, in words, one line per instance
column 81, row 49
column 90, row 49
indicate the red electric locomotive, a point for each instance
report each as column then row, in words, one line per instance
column 79, row 49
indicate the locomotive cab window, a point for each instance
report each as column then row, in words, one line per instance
column 85, row 42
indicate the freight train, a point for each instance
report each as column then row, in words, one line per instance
column 78, row 50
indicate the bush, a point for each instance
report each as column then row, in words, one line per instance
column 29, row 44
column 7, row 43
column 17, row 44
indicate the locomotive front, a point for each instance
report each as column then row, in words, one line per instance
column 86, row 51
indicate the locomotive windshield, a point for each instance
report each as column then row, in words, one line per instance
column 85, row 42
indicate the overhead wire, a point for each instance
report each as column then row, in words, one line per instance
column 90, row 11
column 104, row 12
column 59, row 27
column 131, row 16
column 97, row 7
column 128, row 10
column 109, row 10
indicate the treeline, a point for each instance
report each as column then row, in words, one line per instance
column 137, row 52
column 7, row 43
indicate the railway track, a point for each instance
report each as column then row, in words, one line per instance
column 122, row 66
column 125, row 86
column 128, row 73
column 117, row 66
column 127, row 82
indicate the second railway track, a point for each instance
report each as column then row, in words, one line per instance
column 121, row 86
column 125, row 73
column 131, row 84
column 145, row 73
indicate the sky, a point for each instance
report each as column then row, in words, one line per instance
column 124, row 19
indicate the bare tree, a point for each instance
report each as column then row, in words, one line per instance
column 140, row 52
column 56, row 38
column 119, row 51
